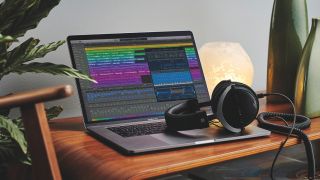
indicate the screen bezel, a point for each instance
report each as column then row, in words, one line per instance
column 122, row 35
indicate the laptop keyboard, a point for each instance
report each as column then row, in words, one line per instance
column 139, row 129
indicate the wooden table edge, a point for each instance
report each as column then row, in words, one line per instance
column 216, row 159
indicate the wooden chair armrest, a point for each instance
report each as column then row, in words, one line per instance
column 36, row 96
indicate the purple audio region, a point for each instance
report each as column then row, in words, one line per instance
column 117, row 67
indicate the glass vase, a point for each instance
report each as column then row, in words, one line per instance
column 307, row 92
column 288, row 33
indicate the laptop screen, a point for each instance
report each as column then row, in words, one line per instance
column 138, row 75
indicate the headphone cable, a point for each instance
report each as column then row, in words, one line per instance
column 291, row 129
column 295, row 129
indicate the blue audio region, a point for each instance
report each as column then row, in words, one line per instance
column 171, row 78
column 170, row 73
column 175, row 93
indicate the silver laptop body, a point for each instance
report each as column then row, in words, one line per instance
column 139, row 76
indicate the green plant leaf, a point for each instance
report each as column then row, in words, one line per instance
column 42, row 50
column 50, row 68
column 53, row 112
column 27, row 51
column 18, row 122
column 27, row 15
column 17, row 55
column 25, row 159
column 7, row 39
column 14, row 132
column 11, row 10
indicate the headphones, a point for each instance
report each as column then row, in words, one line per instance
column 236, row 105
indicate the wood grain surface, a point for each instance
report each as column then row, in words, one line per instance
column 83, row 157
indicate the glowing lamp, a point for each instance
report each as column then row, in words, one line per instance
column 225, row 61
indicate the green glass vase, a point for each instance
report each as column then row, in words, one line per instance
column 307, row 92
column 288, row 34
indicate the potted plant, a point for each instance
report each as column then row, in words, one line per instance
column 16, row 18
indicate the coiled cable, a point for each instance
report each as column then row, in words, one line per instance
column 299, row 122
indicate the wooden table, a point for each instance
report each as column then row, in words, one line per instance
column 83, row 157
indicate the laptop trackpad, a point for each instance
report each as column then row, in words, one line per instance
column 182, row 137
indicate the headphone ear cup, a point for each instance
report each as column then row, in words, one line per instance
column 239, row 107
column 217, row 92
column 186, row 116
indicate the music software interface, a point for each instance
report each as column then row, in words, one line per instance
column 138, row 77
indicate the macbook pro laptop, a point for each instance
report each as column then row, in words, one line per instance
column 139, row 76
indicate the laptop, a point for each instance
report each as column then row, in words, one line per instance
column 139, row 76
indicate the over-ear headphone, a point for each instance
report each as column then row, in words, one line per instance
column 235, row 105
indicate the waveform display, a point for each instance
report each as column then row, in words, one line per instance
column 166, row 54
column 171, row 93
column 120, row 95
column 171, row 78
column 131, row 116
column 117, row 67
column 130, row 110
column 167, row 60
column 193, row 63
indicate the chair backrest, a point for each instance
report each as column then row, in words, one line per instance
column 44, row 161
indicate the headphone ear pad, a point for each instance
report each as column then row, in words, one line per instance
column 186, row 116
column 216, row 94
column 238, row 108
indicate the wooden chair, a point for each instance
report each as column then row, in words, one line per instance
column 44, row 161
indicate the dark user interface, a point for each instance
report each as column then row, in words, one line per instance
column 138, row 77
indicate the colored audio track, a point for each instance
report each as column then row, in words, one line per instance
column 193, row 63
column 138, row 77
column 171, row 78
column 170, row 68
column 117, row 67
column 126, row 65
